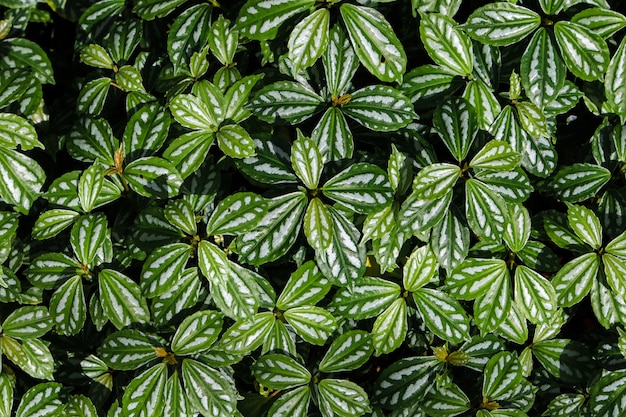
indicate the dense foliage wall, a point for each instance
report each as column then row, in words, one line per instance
column 312, row 208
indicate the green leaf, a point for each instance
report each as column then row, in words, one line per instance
column 455, row 122
column 604, row 22
column 179, row 213
column 248, row 334
column 361, row 187
column 493, row 307
column 89, row 238
column 534, row 295
column 6, row 394
column 146, row 131
column 496, row 155
column 419, row 269
column 236, row 294
column 390, row 328
column 379, row 108
column 574, row 279
column 557, row 227
column 309, row 39
column 442, row 314
column 145, row 395
column 276, row 232
column 374, row 41
column 92, row 139
column 607, row 394
column 182, row 295
column 291, row 403
column 306, row 161
column 567, row 360
column 81, row 406
column 237, row 213
column 68, row 308
column 586, row 225
column 16, row 131
column 446, row 44
column 210, row 391
column 190, row 111
column 17, row 52
column 306, row 286
column 96, row 56
column 150, row 9
column 162, row 267
column 40, row 363
column 153, row 177
column 27, row 323
column 427, row 83
column 261, row 20
column 22, row 179
column 236, row 98
column 365, row 298
column 286, row 100
column 517, row 230
column 50, row 270
column 271, row 164
column 419, row 214
column 487, row 213
column 121, row 299
column 192, row 25
column 475, row 277
column 405, row 382
column 197, row 332
column 333, row 136
column 277, row 371
column 313, row 324
column 447, row 400
column 501, row 24
column 347, row 352
column 318, row 227
column 89, row 186
column 435, row 180
column 129, row 349
column 340, row 397
column 502, row 376
column 177, row 402
column 340, row 62
column 450, row 241
column 584, row 52
column 235, row 141
column 41, row 400
column 52, row 222
column 542, row 69
column 532, row 119
column 581, row 181
column 224, row 40
column 614, row 90
column 484, row 102
column 123, row 38
column 188, row 151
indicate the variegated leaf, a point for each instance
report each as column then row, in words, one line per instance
column 211, row 392
column 517, row 230
column 313, row 324
column 162, row 268
column 615, row 90
column 502, row 374
column 197, row 332
column 248, row 334
column 405, row 382
column 540, row 156
column 435, row 180
column 455, row 122
column 442, row 314
column 342, row 398
column 307, row 162
column 294, row 402
column 585, row 224
column 426, row 83
column 585, row 52
column 153, row 177
column 237, row 213
column 22, row 179
column 501, row 23
column 306, row 286
column 309, row 39
column 493, row 307
column 27, row 322
column 50, row 223
column 419, row 269
column 534, row 295
column 450, row 240
column 235, row 141
column 574, row 280
column 192, row 24
column 89, row 238
column 446, row 44
column 496, row 155
column 260, row 19
column 278, row 371
column 145, row 395
column 41, row 400
column 513, row 186
column 347, row 352
column 146, row 131
column 333, row 136
column 191, row 112
column 374, row 42
column 608, row 393
column 286, row 100
column 380, row 108
column 532, row 119
column 487, row 213
column 475, row 277
column 340, row 62
column 581, row 181
column 390, row 328
column 121, row 299
column 68, row 308
column 318, row 227
column 365, row 298
column 480, row 96
column 602, row 21
column 189, row 151
column 130, row 349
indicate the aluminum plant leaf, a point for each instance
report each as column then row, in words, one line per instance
column 333, row 136
column 608, row 393
column 450, row 240
column 237, row 213
column 22, row 179
column 506, row 128
column 280, row 372
column 89, row 186
column 443, row 315
column 197, row 332
column 92, row 139
column 552, row 7
column 271, row 164
column 210, row 391
column 565, row 405
column 347, row 352
column 496, row 155
column 16, row 131
column 584, row 52
column 145, row 394
column 294, row 402
column 89, row 238
column 190, row 111
column 223, row 40
column 568, row 360
column 52, row 222
column 501, row 24
column 617, row 246
column 236, row 294
column 146, row 131
column 121, row 299
column 151, row 9
column 68, row 308
column 580, row 181
column 41, row 400
column 286, row 100
column 535, row 296
column 340, row 62
column 342, row 398
column 513, row 186
column 235, row 141
column 379, row 108
column 237, row 96
column 49, row 270
column 446, row 400
column 98, row 12
column 365, row 298
column 343, row 261
column 183, row 294
column 486, row 212
column 517, row 229
column 566, row 100
column 446, row 44
column 179, row 213
column 419, row 269
column 420, row 214
column 313, row 324
column 306, row 286
column 247, row 334
column 502, row 375
column 276, row 232
column 532, row 119
column 163, row 267
column 374, row 41
column 427, row 83
column 604, row 22
column 585, row 224
column 260, row 20
column 152, row 176
column 540, row 156
column 484, row 102
column 39, row 362
column 455, row 122
column 192, row 24
column 309, row 39
column 614, row 90
column 306, row 161
column 493, row 307
column 390, row 327
column 542, row 70
column 405, row 382
column 474, row 277
column 188, row 151
column 17, row 52
column 362, row 187
column 129, row 349
column 122, row 39
column 27, row 322
column 177, row 403
column 318, row 225
column 574, row 280
column 436, row 180
column 379, row 224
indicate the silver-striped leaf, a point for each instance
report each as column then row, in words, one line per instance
column 455, row 122
column 450, row 240
column 502, row 375
column 22, row 179
column 496, row 155
column 39, row 361
column 446, row 400
column 50, row 270
column 486, row 212
column 375, row 42
column 615, row 90
column 333, row 136
column 42, row 400
column 276, row 232
column 347, row 352
column 318, row 227
column 419, row 214
column 177, row 403
column 608, row 393
column 237, row 213
column 89, row 186
column 291, row 403
column 237, row 294
column 380, row 108
column 280, row 372
column 306, row 286
column 435, row 181
column 580, row 181
column 68, row 308
column 443, row 315
column 513, row 186
column 151, row 9
column 152, row 176
column 501, row 23
column 92, row 139
column 27, row 322
column 271, row 164
column 129, row 349
column 419, row 269
column 121, row 299
column 340, row 62
column 493, row 307
column 307, row 162
column 517, row 229
column 309, row 39
column 180, row 214
column 146, row 131
column 189, row 151
column 236, row 98
column 235, row 141
column 427, row 83
column 89, row 238
column 145, row 394
column 585, row 223
column 286, row 100
column 261, row 19
column 342, row 398
column 481, row 97
column 197, row 332
column 192, row 24
column 248, row 334
column 223, row 41
column 182, row 294
column 446, row 44
column 15, row 131
column 313, row 324
column 390, row 327
column 365, row 298
column 584, row 52
column 474, row 277
column 574, row 280
column 540, row 156
column 51, row 222
column 379, row 223
column 532, row 119
column 534, row 295
column 211, row 391
column 568, row 360
column 190, row 111
column 163, row 267
column 604, row 22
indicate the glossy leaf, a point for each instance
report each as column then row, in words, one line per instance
column 501, row 24
column 277, row 371
column 121, row 299
column 261, row 19
column 237, row 213
column 584, row 52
